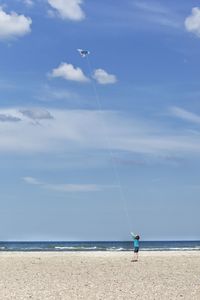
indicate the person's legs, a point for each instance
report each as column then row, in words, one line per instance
column 136, row 254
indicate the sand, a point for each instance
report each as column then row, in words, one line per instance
column 99, row 275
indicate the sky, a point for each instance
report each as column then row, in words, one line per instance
column 94, row 147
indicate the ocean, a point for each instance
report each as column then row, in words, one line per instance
column 100, row 246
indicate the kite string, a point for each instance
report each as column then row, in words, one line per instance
column 111, row 154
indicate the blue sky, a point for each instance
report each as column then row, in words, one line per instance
column 72, row 171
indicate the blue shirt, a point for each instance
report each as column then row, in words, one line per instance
column 136, row 243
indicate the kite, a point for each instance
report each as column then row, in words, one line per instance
column 83, row 53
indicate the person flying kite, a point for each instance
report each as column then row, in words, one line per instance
column 136, row 245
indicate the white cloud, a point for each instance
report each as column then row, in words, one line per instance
column 79, row 130
column 185, row 115
column 28, row 2
column 156, row 8
column 103, row 77
column 13, row 25
column 192, row 22
column 68, row 9
column 67, row 187
column 69, row 72
column 31, row 180
column 154, row 12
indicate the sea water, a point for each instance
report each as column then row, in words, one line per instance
column 100, row 246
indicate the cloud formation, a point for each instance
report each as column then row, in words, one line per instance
column 28, row 2
column 36, row 114
column 155, row 13
column 69, row 72
column 68, row 9
column 192, row 22
column 31, row 180
column 13, row 25
column 48, row 93
column 185, row 115
column 84, row 130
column 102, row 77
column 71, row 188
column 9, row 118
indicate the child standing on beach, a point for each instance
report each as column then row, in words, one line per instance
column 136, row 245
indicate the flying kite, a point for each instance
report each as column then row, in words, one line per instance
column 83, row 53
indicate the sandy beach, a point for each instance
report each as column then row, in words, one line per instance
column 99, row 275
